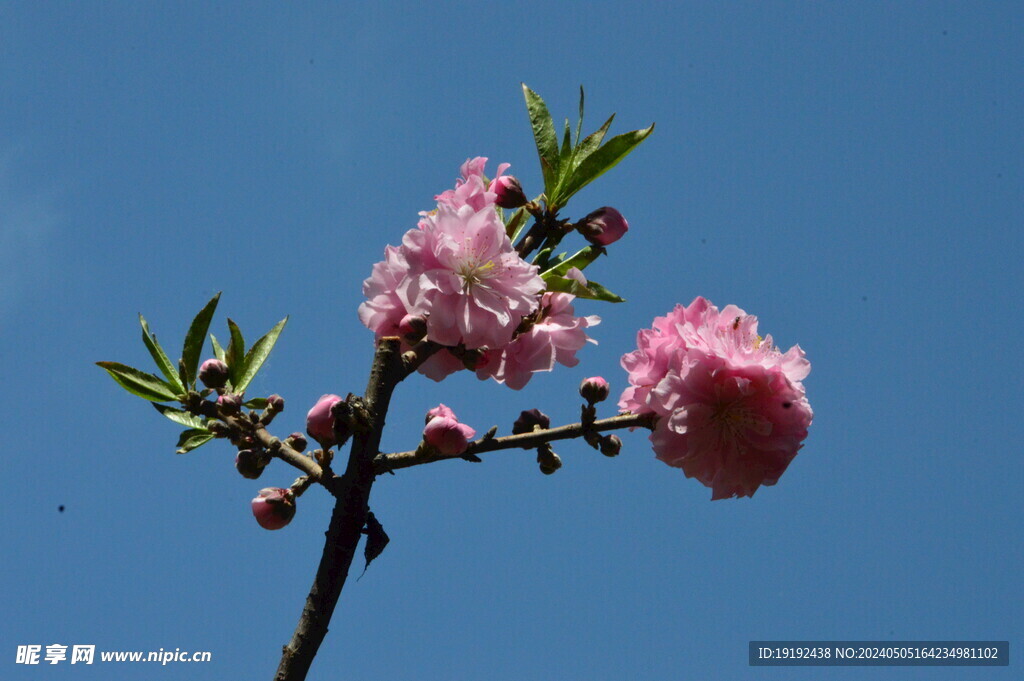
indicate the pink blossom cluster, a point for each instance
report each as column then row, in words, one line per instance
column 732, row 409
column 458, row 273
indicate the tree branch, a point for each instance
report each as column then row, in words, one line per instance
column 352, row 491
column 389, row 462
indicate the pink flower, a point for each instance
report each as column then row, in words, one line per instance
column 320, row 420
column 733, row 411
column 383, row 310
column 458, row 270
column 555, row 337
column 274, row 507
column 470, row 189
column 444, row 433
column 466, row 278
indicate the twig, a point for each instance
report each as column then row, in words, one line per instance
column 389, row 462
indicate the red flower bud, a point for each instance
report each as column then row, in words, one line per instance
column 528, row 419
column 594, row 389
column 213, row 373
column 509, row 191
column 604, row 226
column 274, row 507
column 230, row 404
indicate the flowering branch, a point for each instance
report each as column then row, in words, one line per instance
column 384, row 463
column 352, row 491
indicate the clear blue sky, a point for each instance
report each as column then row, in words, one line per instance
column 850, row 173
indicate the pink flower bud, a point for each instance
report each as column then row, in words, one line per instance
column 442, row 411
column 213, row 373
column 274, row 507
column 604, row 226
column 297, row 441
column 413, row 327
column 528, row 419
column 275, row 403
column 447, row 436
column 509, row 191
column 594, row 389
column 230, row 404
column 320, row 422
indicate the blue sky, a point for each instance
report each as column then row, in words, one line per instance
column 850, row 173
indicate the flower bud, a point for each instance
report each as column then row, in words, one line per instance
column 528, row 419
column 297, row 441
column 274, row 507
column 413, row 327
column 440, row 411
column 548, row 460
column 218, row 428
column 447, row 436
column 275, row 403
column 604, row 226
column 611, row 445
column 230, row 403
column 249, row 463
column 320, row 421
column 213, row 373
column 594, row 389
column 509, row 191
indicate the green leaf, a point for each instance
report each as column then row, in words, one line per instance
column 258, row 354
column 592, row 142
column 579, row 123
column 235, row 356
column 256, row 403
column 601, row 293
column 218, row 351
column 542, row 257
column 146, row 386
column 580, row 260
column 181, row 417
column 603, row 160
column 193, row 346
column 163, row 362
column 515, row 224
column 566, row 154
column 192, row 438
column 592, row 291
column 544, row 136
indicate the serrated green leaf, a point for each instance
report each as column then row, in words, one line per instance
column 579, row 260
column 146, row 386
column 218, row 351
column 544, row 136
column 602, row 160
column 163, row 362
column 192, row 438
column 235, row 355
column 181, row 417
column 256, row 403
column 592, row 291
column 193, row 346
column 258, row 354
